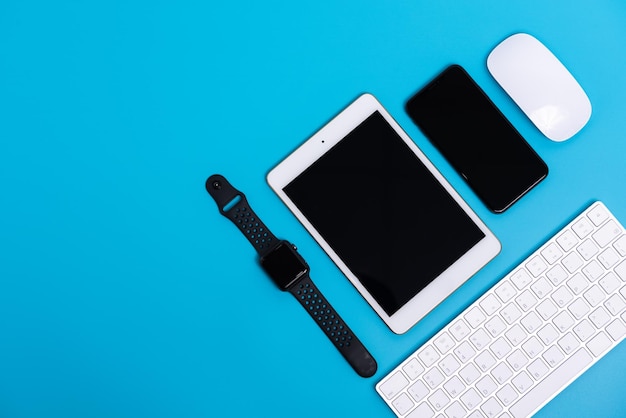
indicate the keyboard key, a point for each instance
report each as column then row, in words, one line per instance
column 587, row 249
column 594, row 295
column 433, row 378
column 562, row 296
column 438, row 399
column 403, row 404
column 541, row 287
column 522, row 382
column 577, row 283
column 531, row 322
column 444, row 343
column 616, row 330
column 515, row 335
column 506, row 395
column 505, row 291
column 455, row 410
column 615, row 304
column 551, row 253
column 394, row 385
column 556, row 275
column 459, row 330
column 584, row 330
column 568, row 343
column 510, row 313
column 449, row 364
column 599, row 317
column 454, row 386
column 485, row 360
column 599, row 344
column 517, row 360
column 578, row 308
column 553, row 356
column 486, row 386
column 536, row 266
column 501, row 373
column 480, row 339
column 500, row 348
column 419, row 391
column 520, row 279
column 546, row 309
column 537, row 369
column 464, row 351
column 532, row 347
column 413, row 369
column 469, row 374
column 428, row 355
column 475, row 317
column 471, row 399
column 582, row 228
column 598, row 215
column 567, row 240
column 608, row 258
column 610, row 283
column 491, row 408
column 495, row 326
column 526, row 300
column 490, row 304
column 548, row 334
column 593, row 271
column 607, row 233
column 572, row 262
column 563, row 321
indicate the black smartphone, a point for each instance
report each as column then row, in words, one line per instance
column 476, row 138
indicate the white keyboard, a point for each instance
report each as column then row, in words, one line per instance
column 529, row 336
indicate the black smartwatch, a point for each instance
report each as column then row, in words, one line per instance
column 287, row 268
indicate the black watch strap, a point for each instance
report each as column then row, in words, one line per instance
column 334, row 327
column 234, row 205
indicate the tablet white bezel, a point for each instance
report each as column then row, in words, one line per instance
column 441, row 287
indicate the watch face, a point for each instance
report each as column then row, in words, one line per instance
column 284, row 265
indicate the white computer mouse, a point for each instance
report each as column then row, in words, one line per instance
column 540, row 85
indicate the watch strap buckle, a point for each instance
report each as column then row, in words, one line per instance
column 224, row 194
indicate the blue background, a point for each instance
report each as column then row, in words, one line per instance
column 123, row 291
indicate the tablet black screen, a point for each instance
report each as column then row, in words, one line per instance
column 384, row 214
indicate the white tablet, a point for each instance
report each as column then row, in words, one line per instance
column 383, row 213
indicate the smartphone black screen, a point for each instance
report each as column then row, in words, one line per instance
column 476, row 138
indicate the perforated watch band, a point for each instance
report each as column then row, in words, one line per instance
column 234, row 205
column 334, row 327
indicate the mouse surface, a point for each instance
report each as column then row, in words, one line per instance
column 540, row 85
